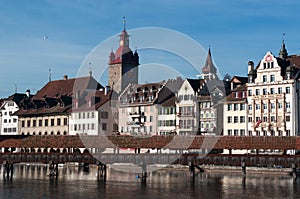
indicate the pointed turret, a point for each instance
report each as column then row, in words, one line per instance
column 209, row 71
column 283, row 52
column 111, row 56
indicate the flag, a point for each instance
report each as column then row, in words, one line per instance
column 257, row 123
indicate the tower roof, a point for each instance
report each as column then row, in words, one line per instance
column 283, row 52
column 123, row 47
column 209, row 66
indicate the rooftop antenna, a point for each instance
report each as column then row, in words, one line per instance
column 16, row 88
column 124, row 22
column 283, row 36
column 49, row 74
column 90, row 72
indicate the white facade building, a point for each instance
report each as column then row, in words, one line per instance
column 187, row 107
column 273, row 99
column 9, row 106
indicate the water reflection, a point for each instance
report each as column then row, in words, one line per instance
column 74, row 182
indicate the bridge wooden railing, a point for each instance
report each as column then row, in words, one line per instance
column 105, row 158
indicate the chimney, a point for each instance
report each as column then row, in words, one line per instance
column 250, row 66
column 106, row 90
column 77, row 94
column 28, row 93
column 65, row 77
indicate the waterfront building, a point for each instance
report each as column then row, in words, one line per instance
column 187, row 106
column 137, row 109
column 9, row 121
column 47, row 112
column 210, row 99
column 148, row 109
column 235, row 108
column 95, row 114
column 273, row 95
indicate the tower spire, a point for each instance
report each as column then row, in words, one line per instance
column 283, row 52
column 124, row 22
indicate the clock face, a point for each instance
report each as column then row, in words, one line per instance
column 268, row 58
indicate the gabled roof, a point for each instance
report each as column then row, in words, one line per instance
column 17, row 98
column 231, row 97
column 196, row 83
column 67, row 87
column 98, row 98
column 240, row 79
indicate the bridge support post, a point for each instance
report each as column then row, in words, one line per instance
column 294, row 171
column 192, row 169
column 243, row 164
column 53, row 167
column 8, row 171
column 144, row 173
column 101, row 173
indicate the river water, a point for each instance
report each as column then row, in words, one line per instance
column 72, row 182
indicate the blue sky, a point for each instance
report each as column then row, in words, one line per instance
column 237, row 31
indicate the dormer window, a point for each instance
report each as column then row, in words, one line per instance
column 288, row 76
column 236, row 95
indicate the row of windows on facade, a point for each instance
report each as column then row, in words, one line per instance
column 91, row 126
column 236, row 132
column 83, row 115
column 166, row 123
column 236, row 119
column 45, row 133
column 9, row 120
column 207, row 115
column 10, row 130
column 79, row 127
column 186, row 110
column 235, row 107
column 167, row 111
column 207, row 125
column 140, row 129
column 241, row 94
column 206, row 104
column 186, row 124
column 186, row 97
column 7, row 112
column 272, row 119
column 34, row 123
column 271, row 91
column 272, row 133
column 265, row 106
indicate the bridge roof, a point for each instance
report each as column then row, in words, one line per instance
column 171, row 142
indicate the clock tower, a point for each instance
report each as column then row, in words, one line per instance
column 123, row 64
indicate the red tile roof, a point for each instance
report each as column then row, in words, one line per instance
column 67, row 87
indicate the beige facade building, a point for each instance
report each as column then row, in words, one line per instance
column 48, row 112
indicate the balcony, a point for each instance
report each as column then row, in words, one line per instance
column 135, row 124
column 185, row 114
column 136, row 114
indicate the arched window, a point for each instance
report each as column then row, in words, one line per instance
column 40, row 133
column 52, row 133
column 65, row 132
column 46, row 133
column 58, row 132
